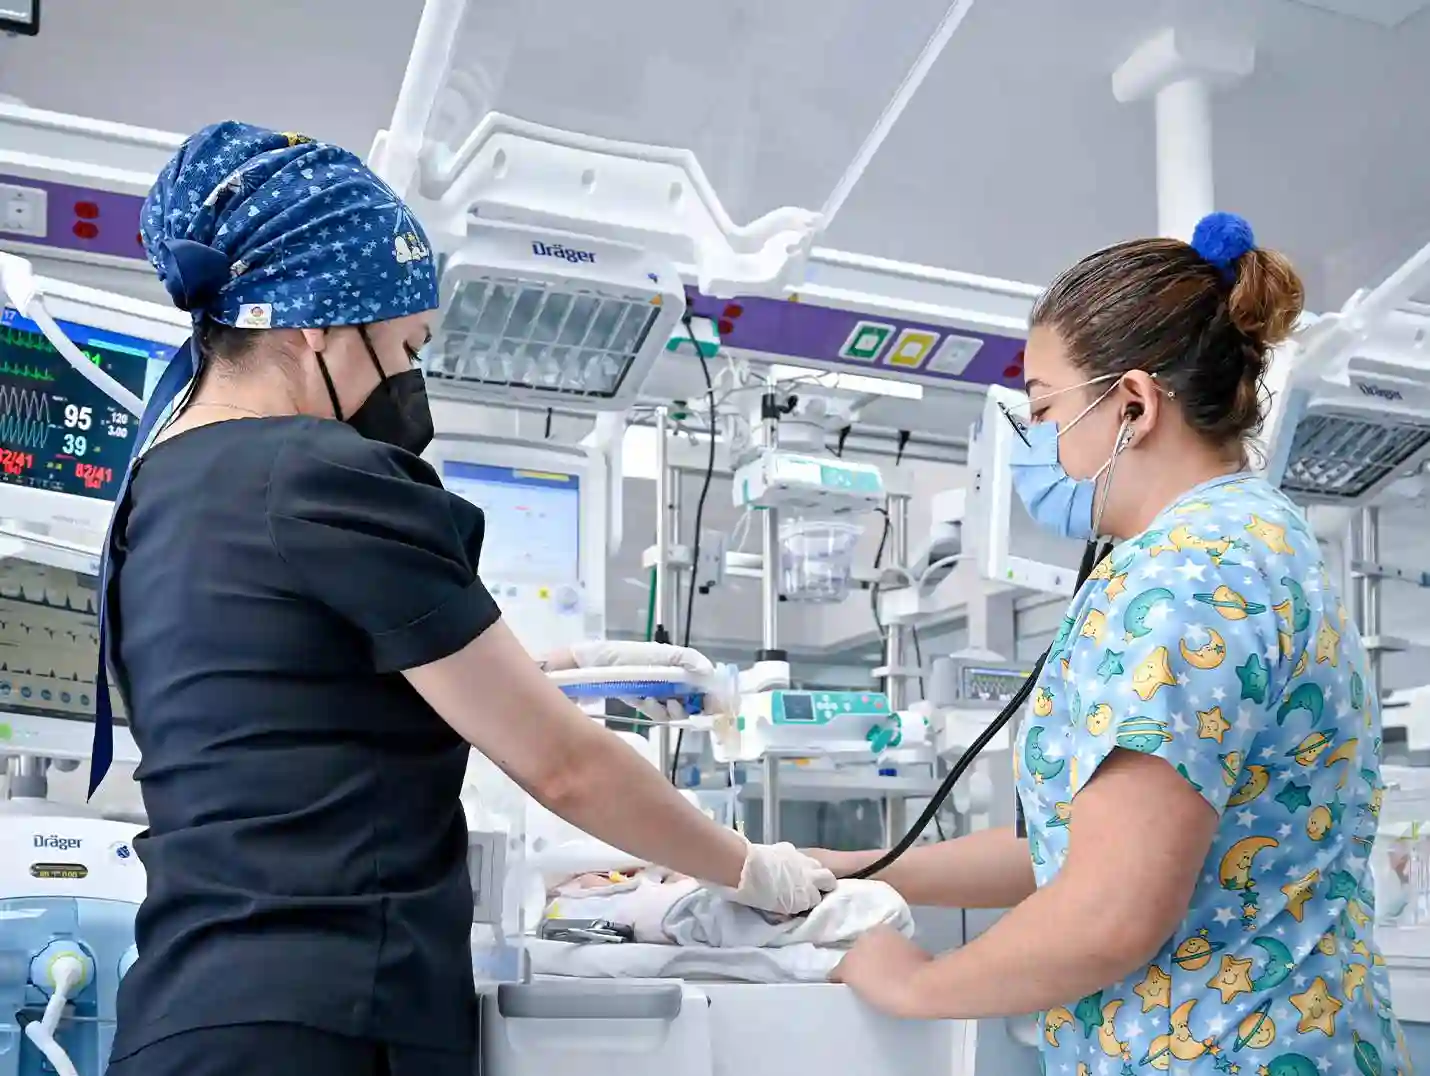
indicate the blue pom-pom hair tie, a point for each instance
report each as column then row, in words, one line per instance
column 1222, row 239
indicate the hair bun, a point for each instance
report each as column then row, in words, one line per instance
column 1266, row 300
column 1222, row 239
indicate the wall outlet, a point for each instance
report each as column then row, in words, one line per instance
column 23, row 211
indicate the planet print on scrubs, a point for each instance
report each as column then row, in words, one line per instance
column 1216, row 641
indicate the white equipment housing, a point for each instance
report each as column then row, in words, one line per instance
column 796, row 482
column 69, row 889
column 547, row 537
column 517, row 200
column 1351, row 395
column 1007, row 546
column 59, row 164
column 478, row 142
column 60, row 739
column 513, row 170
column 710, row 1029
column 530, row 312
column 49, row 634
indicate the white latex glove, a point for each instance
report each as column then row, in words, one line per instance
column 603, row 653
column 780, row 878
column 599, row 653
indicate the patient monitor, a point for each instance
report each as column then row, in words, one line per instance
column 64, row 443
column 64, row 446
column 544, row 552
column 1007, row 545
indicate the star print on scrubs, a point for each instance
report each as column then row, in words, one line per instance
column 1215, row 641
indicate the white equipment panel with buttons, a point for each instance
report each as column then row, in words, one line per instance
column 543, row 552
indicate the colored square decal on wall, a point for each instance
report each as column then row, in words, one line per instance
column 867, row 342
column 954, row 354
column 911, row 348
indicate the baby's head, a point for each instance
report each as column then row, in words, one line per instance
column 622, row 876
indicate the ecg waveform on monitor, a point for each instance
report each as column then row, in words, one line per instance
column 24, row 418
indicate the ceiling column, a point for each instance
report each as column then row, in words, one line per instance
column 1179, row 72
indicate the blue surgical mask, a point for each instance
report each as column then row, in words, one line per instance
column 1054, row 499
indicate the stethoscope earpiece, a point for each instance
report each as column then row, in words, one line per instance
column 1124, row 438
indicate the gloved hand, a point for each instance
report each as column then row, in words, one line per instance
column 603, row 653
column 780, row 878
column 841, row 864
column 599, row 653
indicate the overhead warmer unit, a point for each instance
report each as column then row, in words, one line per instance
column 529, row 312
column 566, row 253
column 1350, row 393
column 557, row 254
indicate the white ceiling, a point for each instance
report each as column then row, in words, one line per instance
column 1380, row 12
column 1013, row 160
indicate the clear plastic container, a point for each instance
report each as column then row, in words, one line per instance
column 817, row 559
column 1400, row 860
column 1400, row 868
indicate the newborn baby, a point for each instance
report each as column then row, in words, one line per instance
column 665, row 908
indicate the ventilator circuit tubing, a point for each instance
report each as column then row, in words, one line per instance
column 1090, row 559
column 68, row 976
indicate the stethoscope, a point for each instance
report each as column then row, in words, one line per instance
column 1092, row 555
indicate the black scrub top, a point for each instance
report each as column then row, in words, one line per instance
column 306, row 850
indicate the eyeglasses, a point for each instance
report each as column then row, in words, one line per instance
column 1019, row 426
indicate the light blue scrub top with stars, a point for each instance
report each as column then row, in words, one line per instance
column 1216, row 641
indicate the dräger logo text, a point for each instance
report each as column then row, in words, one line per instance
column 57, row 843
column 1379, row 393
column 556, row 250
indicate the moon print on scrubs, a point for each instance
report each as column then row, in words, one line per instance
column 1216, row 642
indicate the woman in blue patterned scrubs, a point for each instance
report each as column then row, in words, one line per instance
column 1200, row 764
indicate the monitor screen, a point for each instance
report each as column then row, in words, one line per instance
column 533, row 531
column 58, row 431
column 49, row 647
column 1008, row 545
column 20, row 16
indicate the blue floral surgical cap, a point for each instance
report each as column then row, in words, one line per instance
column 263, row 230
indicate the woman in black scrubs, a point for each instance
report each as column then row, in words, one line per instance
column 295, row 618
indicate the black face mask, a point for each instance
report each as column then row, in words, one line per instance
column 396, row 412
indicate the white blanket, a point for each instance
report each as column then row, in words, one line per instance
column 685, row 913
column 632, row 960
